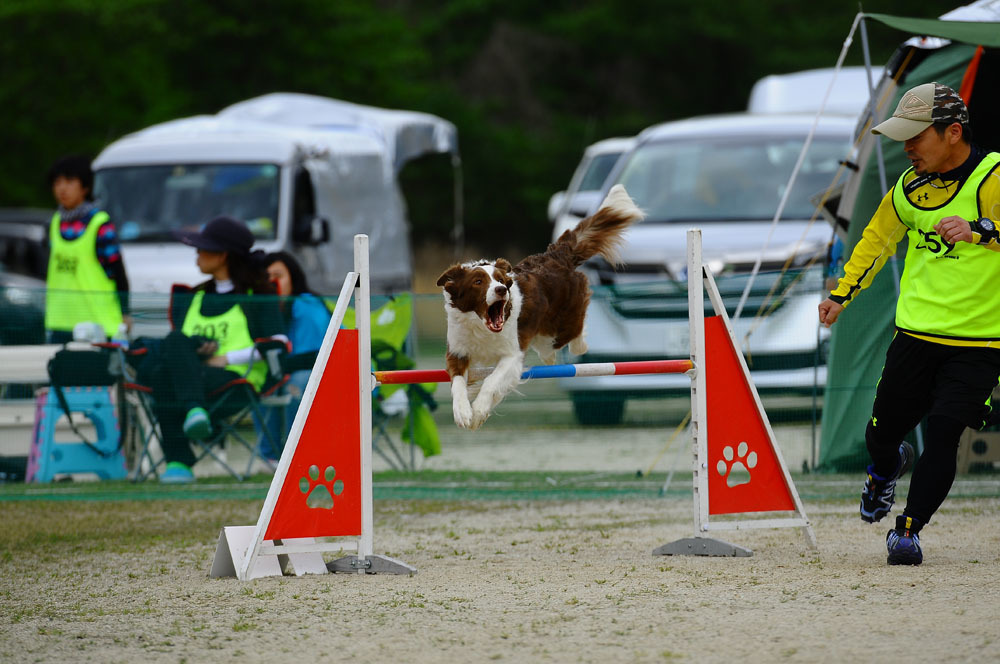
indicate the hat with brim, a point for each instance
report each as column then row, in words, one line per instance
column 220, row 234
column 901, row 129
column 922, row 106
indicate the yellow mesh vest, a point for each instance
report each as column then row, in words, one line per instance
column 948, row 291
column 230, row 329
column 77, row 288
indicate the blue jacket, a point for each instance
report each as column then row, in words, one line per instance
column 310, row 318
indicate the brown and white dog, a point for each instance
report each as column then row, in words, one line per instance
column 495, row 311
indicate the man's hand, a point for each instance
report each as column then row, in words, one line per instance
column 829, row 311
column 954, row 229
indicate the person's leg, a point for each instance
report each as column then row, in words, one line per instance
column 183, row 370
column 963, row 383
column 902, row 397
column 962, row 388
column 934, row 472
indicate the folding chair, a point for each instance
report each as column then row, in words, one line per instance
column 231, row 403
column 228, row 405
column 409, row 406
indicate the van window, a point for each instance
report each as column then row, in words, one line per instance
column 147, row 203
column 729, row 179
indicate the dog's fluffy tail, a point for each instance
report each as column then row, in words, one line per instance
column 601, row 233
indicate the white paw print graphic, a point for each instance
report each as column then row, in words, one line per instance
column 736, row 464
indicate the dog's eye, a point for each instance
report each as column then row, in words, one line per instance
column 478, row 282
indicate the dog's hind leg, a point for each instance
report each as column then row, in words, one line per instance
column 496, row 386
column 545, row 348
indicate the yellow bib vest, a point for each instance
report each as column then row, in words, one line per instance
column 77, row 288
column 948, row 291
column 232, row 332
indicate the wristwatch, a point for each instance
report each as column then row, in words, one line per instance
column 987, row 230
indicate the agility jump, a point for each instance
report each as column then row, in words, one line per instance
column 320, row 498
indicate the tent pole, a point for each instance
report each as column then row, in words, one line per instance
column 871, row 105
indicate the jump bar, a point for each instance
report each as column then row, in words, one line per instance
column 409, row 376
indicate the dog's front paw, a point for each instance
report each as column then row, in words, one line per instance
column 578, row 346
column 462, row 412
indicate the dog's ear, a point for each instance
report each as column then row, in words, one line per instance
column 451, row 274
column 503, row 265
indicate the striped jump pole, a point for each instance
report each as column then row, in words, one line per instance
column 408, row 376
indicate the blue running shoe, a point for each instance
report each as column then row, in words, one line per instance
column 880, row 492
column 176, row 473
column 903, row 543
column 197, row 425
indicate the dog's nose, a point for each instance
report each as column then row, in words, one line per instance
column 500, row 290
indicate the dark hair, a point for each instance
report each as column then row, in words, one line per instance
column 74, row 166
column 249, row 273
column 295, row 271
column 941, row 127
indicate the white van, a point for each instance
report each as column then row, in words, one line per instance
column 305, row 173
column 803, row 91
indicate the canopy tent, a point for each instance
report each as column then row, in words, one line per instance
column 960, row 51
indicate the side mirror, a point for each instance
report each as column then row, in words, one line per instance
column 555, row 204
column 311, row 230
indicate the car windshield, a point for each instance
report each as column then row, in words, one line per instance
column 728, row 179
column 597, row 171
column 147, row 203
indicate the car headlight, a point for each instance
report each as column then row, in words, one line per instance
column 21, row 297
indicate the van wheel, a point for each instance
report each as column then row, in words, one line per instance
column 598, row 409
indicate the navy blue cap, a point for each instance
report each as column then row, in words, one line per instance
column 220, row 234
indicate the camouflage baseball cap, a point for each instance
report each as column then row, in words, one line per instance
column 922, row 106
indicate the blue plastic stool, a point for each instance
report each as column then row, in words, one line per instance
column 49, row 457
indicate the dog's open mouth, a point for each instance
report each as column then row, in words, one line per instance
column 495, row 316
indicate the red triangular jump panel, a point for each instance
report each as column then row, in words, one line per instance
column 321, row 494
column 744, row 474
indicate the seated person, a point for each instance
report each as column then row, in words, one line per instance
column 306, row 317
column 213, row 339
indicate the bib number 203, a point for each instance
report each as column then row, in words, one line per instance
column 217, row 331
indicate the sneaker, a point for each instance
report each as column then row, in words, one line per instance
column 197, row 425
column 880, row 492
column 903, row 543
column 176, row 473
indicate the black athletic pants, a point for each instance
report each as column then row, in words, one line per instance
column 181, row 381
column 951, row 386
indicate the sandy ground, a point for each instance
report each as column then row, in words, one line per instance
column 535, row 581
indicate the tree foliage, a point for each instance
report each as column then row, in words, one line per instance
column 528, row 84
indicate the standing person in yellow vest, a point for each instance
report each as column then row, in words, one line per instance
column 944, row 359
column 86, row 277
column 212, row 342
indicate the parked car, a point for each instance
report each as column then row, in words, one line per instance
column 726, row 175
column 22, row 309
column 567, row 208
column 23, row 264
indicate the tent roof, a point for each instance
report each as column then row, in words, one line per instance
column 985, row 33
